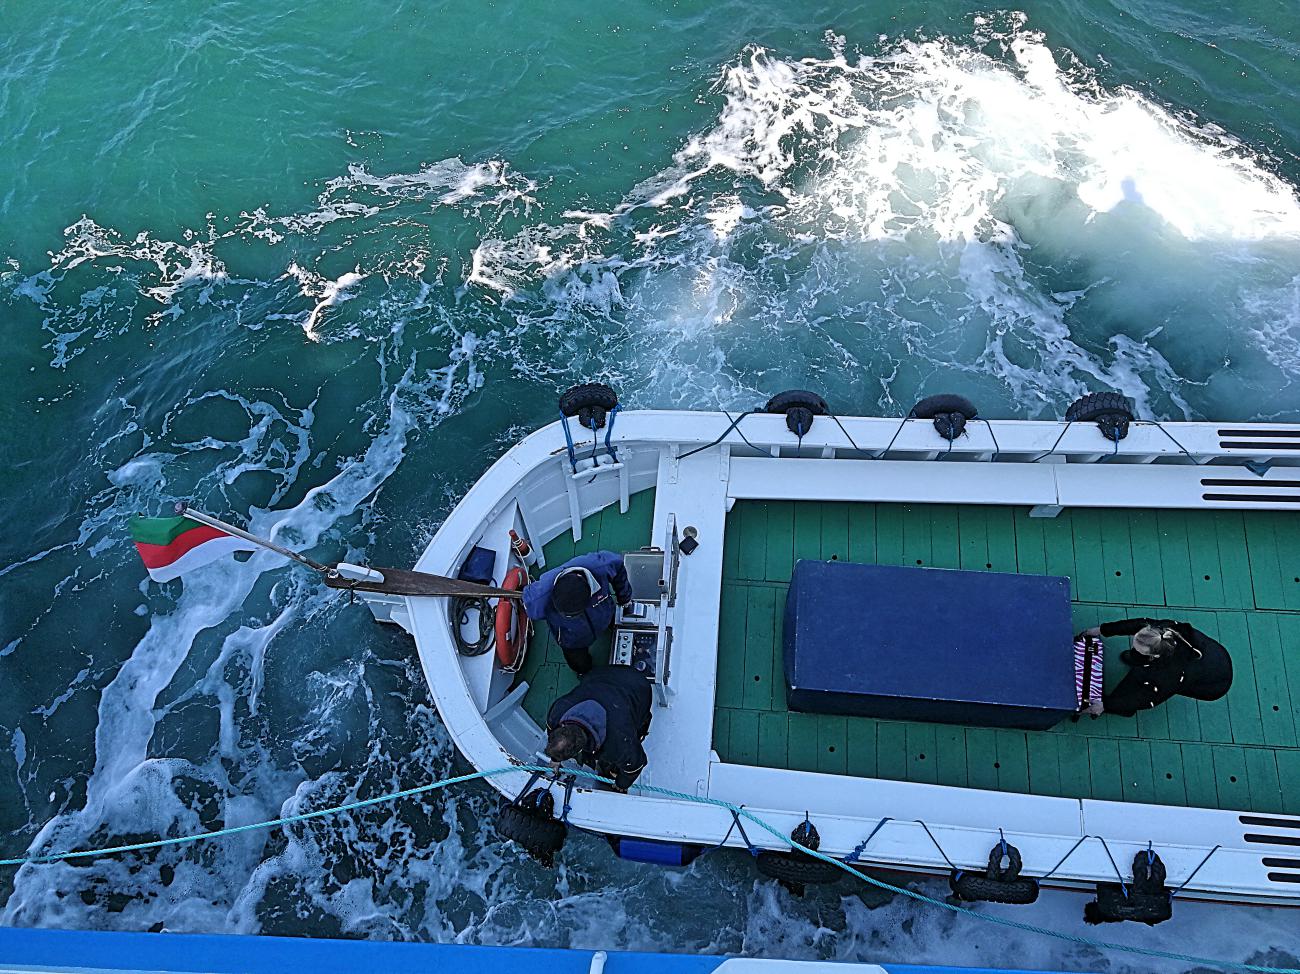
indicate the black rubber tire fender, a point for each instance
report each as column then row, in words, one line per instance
column 1112, row 906
column 1096, row 405
column 810, row 401
column 587, row 396
column 974, row 887
column 540, row 835
column 943, row 402
column 796, row 868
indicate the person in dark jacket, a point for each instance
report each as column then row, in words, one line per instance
column 577, row 602
column 1168, row 658
column 601, row 723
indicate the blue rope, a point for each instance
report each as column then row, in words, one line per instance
column 861, row 846
column 1184, row 883
column 1118, row 875
column 737, row 811
column 609, row 431
column 568, row 441
column 1082, row 840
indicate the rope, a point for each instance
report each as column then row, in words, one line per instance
column 890, row 444
column 1118, row 875
column 997, row 449
column 1082, row 840
column 737, row 811
column 846, row 434
column 1160, row 426
column 568, row 442
column 609, row 432
column 951, row 864
column 1059, row 437
column 1184, row 883
column 272, row 823
column 861, row 846
column 735, row 425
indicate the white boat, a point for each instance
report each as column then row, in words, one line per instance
column 1196, row 520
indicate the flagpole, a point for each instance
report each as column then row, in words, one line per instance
column 185, row 510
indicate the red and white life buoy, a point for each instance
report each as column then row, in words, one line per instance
column 512, row 623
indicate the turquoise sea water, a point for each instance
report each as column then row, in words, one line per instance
column 316, row 265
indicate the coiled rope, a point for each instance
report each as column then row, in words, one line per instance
column 737, row 812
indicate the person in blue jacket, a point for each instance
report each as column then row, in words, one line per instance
column 577, row 602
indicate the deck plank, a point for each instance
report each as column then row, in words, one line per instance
column 862, row 533
column 917, row 535
column 757, row 692
column 1230, row 776
column 1031, row 553
column 1148, row 570
column 1104, row 770
column 1090, row 565
column 1272, row 685
column 803, row 742
column 753, row 553
column 732, row 645
column 1072, row 758
column 742, row 736
column 1000, row 534
column 779, row 557
column 773, row 739
column 1013, row 761
column 1265, row 784
column 921, row 746
column 1289, row 631
column 832, row 745
column 1268, row 580
column 950, row 755
column 1058, row 543
column 1198, row 774
column 1167, row 777
column 1207, row 570
column 889, row 535
column 1287, row 530
column 945, row 541
column 1243, row 698
column 835, row 531
column 1288, row 768
column 1136, row 771
column 1175, row 558
column 1117, row 556
column 1234, row 559
column 1044, row 765
column 982, row 758
column 972, row 524
column 891, row 750
column 807, row 537
column 861, row 734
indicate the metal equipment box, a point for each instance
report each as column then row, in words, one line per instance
column 929, row 644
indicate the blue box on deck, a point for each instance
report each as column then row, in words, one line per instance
column 931, row 644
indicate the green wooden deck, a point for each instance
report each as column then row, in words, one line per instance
column 544, row 668
column 1235, row 575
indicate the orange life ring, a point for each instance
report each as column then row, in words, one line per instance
column 511, row 615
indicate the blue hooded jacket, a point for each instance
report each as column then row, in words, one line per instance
column 579, row 632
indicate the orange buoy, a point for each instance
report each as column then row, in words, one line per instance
column 512, row 623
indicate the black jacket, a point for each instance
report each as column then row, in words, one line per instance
column 624, row 693
column 1200, row 668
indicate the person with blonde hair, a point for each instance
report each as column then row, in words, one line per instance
column 1166, row 659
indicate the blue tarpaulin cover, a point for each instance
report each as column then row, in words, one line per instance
column 930, row 644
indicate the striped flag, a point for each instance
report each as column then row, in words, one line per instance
column 171, row 546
